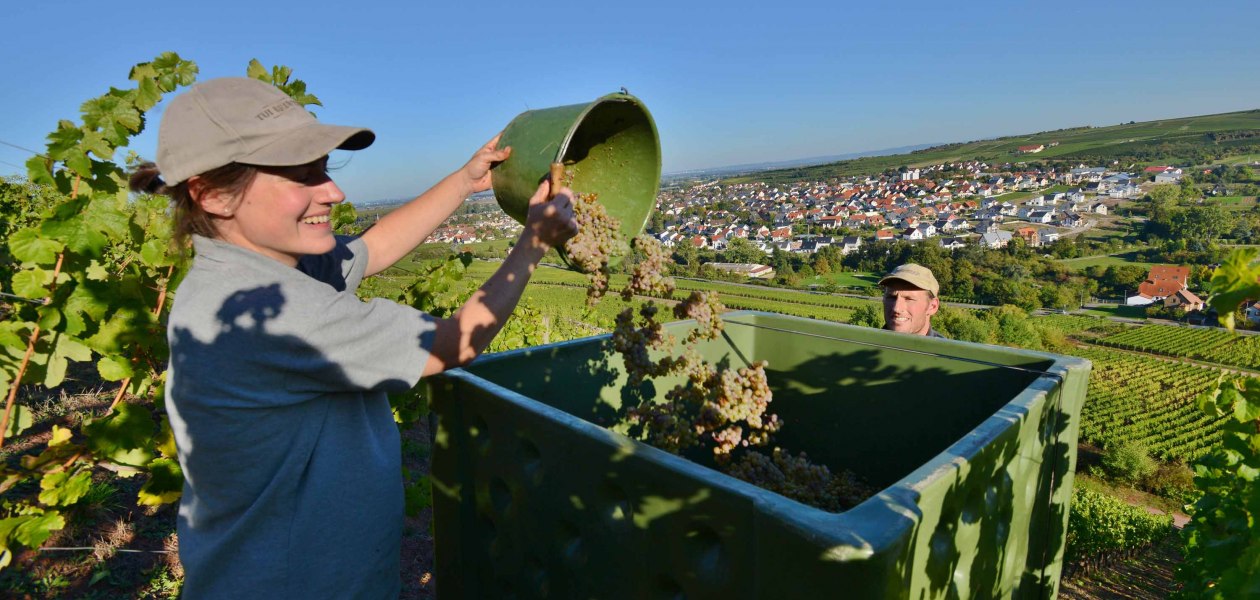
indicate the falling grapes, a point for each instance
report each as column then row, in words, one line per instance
column 597, row 241
column 723, row 409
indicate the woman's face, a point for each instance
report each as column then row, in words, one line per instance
column 284, row 213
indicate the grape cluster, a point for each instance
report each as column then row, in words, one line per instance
column 727, row 406
column 635, row 343
column 706, row 308
column 648, row 276
column 597, row 241
column 801, row 480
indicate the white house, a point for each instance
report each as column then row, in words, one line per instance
column 995, row 239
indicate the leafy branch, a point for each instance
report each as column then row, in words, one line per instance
column 104, row 263
column 1223, row 537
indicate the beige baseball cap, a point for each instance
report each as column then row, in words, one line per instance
column 243, row 120
column 916, row 275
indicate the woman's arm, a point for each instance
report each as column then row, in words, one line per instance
column 461, row 337
column 404, row 228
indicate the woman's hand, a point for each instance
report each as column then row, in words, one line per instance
column 550, row 222
column 477, row 171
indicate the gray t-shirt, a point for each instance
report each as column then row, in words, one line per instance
column 276, row 394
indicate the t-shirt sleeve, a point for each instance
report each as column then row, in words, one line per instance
column 341, row 343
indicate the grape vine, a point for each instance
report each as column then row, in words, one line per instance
column 1222, row 552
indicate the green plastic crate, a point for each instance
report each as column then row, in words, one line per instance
column 973, row 446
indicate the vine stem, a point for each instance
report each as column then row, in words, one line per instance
column 156, row 311
column 26, row 358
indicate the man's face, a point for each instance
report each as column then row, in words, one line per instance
column 908, row 309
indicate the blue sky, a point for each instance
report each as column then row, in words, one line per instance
column 728, row 83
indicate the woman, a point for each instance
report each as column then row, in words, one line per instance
column 278, row 375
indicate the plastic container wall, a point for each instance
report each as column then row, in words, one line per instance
column 534, row 498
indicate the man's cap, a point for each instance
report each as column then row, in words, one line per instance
column 243, row 120
column 917, row 275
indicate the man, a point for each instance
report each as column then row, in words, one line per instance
column 910, row 300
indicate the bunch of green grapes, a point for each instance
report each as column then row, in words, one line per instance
column 706, row 308
column 597, row 241
column 648, row 276
column 801, row 480
column 725, row 407
column 635, row 343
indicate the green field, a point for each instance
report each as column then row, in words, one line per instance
column 847, row 279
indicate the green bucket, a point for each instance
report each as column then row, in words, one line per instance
column 611, row 146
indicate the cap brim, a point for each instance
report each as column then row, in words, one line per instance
column 904, row 280
column 888, row 278
column 309, row 143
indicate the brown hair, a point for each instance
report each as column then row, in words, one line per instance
column 190, row 218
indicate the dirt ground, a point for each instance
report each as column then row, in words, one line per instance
column 1152, row 575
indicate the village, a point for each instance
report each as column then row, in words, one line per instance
column 954, row 204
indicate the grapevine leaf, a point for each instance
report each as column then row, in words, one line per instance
column 147, row 93
column 113, row 368
column 165, row 440
column 95, row 143
column 62, row 489
column 1247, row 407
column 65, row 349
column 19, row 420
column 96, row 272
column 32, row 283
column 9, row 335
column 165, row 484
column 29, row 246
column 29, row 530
column 39, row 171
column 153, row 253
column 256, row 70
column 77, row 161
column 1234, row 282
column 60, row 436
column 108, row 218
column 124, row 436
column 342, row 215
column 280, row 75
column 49, row 318
column 81, row 305
column 115, row 107
column 142, row 71
column 64, row 141
column 174, row 71
column 69, row 224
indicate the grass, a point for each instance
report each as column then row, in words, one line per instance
column 1131, row 312
column 1124, row 258
column 1016, row 196
column 1234, row 202
column 846, row 279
